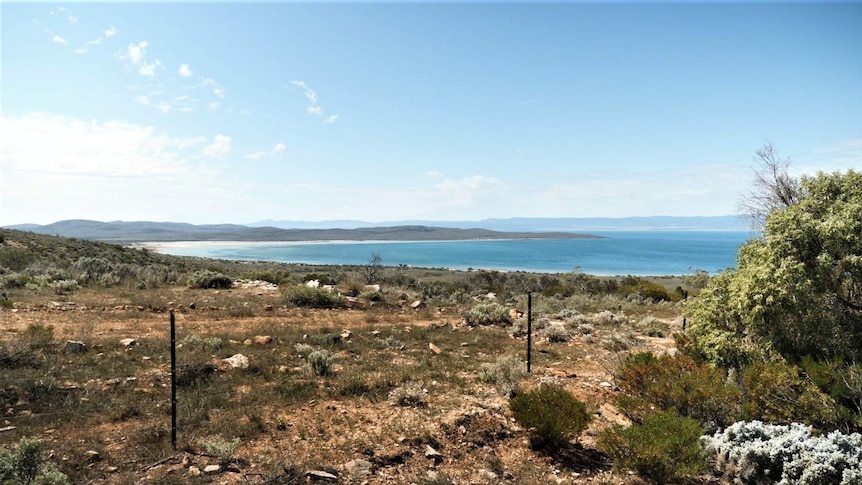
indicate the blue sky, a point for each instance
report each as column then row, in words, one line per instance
column 238, row 112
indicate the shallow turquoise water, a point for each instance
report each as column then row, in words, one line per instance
column 619, row 253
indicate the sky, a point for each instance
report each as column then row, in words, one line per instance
column 239, row 112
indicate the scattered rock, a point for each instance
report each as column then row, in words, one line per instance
column 433, row 476
column 237, row 361
column 7, row 428
column 416, row 305
column 129, row 342
column 515, row 314
column 186, row 461
column 487, row 475
column 321, row 476
column 192, row 306
column 194, row 471
column 74, row 347
column 268, row 308
column 262, row 339
column 212, row 469
column 346, row 334
column 111, row 469
column 433, row 454
column 606, row 384
column 434, row 349
column 92, row 455
column 357, row 469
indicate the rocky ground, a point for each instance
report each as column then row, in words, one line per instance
column 293, row 427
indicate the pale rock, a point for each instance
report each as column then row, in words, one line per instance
column 321, row 475
column 92, row 455
column 434, row 349
column 212, row 469
column 487, row 475
column 357, row 469
column 194, row 471
column 433, row 454
column 129, row 342
column 417, row 305
column 237, row 361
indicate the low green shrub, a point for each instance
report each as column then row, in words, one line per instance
column 275, row 277
column 25, row 464
column 777, row 392
column 551, row 414
column 662, row 447
column 487, row 314
column 306, row 297
column 206, row 279
column 676, row 383
column 221, row 449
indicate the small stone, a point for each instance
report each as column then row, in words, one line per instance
column 262, row 339
column 212, row 469
column 186, row 461
column 417, row 305
column 194, row 471
column 268, row 308
column 357, row 469
column 321, row 475
column 192, row 306
column 74, row 347
column 346, row 334
column 237, row 361
column 606, row 384
column 487, row 475
column 433, row 454
column 433, row 476
column 7, row 428
column 434, row 349
column 129, row 342
column 92, row 455
column 111, row 469
column 375, row 332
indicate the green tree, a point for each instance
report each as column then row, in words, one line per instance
column 797, row 289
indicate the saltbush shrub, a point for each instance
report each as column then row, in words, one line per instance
column 306, row 297
column 557, row 333
column 662, row 447
column 551, row 414
column 676, row 383
column 753, row 452
column 506, row 374
column 410, row 394
column 210, row 279
column 487, row 314
column 320, row 362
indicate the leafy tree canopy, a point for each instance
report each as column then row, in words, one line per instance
column 797, row 289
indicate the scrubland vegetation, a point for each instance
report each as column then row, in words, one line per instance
column 292, row 373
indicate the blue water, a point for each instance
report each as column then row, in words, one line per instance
column 619, row 253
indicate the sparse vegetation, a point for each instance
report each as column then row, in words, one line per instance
column 551, row 414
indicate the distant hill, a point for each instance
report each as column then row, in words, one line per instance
column 145, row 231
column 530, row 224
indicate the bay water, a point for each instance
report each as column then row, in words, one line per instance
column 616, row 253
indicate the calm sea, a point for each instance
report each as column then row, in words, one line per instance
column 619, row 253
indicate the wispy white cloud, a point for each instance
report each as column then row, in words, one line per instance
column 143, row 100
column 164, row 107
column 110, row 32
column 183, row 97
column 81, row 50
column 311, row 95
column 255, row 156
column 212, row 105
column 184, row 71
column 135, row 53
column 279, row 148
column 148, row 69
column 217, row 89
column 107, row 168
column 220, row 147
column 59, row 40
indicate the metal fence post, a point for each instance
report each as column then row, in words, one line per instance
column 173, row 382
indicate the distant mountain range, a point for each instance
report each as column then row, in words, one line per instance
column 145, row 231
column 348, row 230
column 531, row 224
